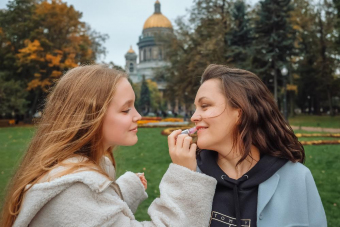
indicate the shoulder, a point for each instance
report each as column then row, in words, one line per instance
column 292, row 166
column 82, row 205
column 295, row 166
column 94, row 180
column 294, row 171
column 88, row 175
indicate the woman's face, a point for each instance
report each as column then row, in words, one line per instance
column 214, row 118
column 120, row 121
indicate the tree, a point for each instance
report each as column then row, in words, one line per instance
column 144, row 100
column 155, row 95
column 316, row 64
column 12, row 97
column 303, row 20
column 274, row 45
column 326, row 19
column 240, row 37
column 113, row 66
column 198, row 42
column 15, row 26
column 337, row 7
column 42, row 40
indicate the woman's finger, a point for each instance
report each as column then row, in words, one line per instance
column 192, row 150
column 172, row 138
column 186, row 143
column 179, row 142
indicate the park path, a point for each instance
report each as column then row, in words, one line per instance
column 316, row 129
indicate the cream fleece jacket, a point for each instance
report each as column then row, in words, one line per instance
column 88, row 198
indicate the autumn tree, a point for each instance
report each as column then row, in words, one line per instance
column 52, row 39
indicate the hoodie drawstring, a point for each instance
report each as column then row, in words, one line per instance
column 237, row 206
column 236, row 199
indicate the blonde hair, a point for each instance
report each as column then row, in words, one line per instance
column 70, row 126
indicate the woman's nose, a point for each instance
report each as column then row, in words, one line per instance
column 137, row 117
column 196, row 117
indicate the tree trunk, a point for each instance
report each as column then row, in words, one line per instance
column 329, row 96
column 324, row 72
column 35, row 103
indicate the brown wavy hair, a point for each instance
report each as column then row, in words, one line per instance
column 71, row 126
column 261, row 123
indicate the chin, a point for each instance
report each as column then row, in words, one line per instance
column 203, row 144
column 128, row 142
column 132, row 142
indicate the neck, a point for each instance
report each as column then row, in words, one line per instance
column 228, row 160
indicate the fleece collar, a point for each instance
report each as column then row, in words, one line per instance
column 41, row 193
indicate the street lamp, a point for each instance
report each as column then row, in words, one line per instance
column 284, row 73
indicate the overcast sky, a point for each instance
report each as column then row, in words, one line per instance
column 123, row 20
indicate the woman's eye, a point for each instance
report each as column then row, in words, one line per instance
column 127, row 111
column 204, row 106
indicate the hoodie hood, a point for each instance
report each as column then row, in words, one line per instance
column 41, row 193
column 264, row 169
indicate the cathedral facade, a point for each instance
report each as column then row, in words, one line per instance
column 151, row 53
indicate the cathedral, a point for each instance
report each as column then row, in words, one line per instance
column 151, row 54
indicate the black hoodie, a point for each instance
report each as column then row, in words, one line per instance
column 235, row 201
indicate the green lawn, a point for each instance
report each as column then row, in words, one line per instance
column 150, row 155
column 315, row 121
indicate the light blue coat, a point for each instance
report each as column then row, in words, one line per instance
column 290, row 198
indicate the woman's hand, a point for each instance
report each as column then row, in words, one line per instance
column 181, row 150
column 143, row 180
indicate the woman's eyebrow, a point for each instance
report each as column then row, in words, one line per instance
column 129, row 102
column 200, row 99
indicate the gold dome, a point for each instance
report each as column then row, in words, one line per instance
column 157, row 19
column 131, row 50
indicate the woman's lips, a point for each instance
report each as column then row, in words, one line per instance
column 201, row 129
column 134, row 130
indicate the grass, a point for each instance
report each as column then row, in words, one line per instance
column 13, row 142
column 315, row 121
column 150, row 155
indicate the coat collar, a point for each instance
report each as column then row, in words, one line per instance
column 266, row 192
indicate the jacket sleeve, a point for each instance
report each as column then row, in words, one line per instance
column 316, row 212
column 132, row 189
column 185, row 200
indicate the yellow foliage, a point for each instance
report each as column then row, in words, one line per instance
column 297, row 27
column 45, row 83
column 56, row 74
column 58, row 52
column 69, row 62
column 31, row 52
column 48, row 58
column 33, row 84
column 54, row 60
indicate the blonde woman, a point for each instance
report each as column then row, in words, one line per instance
column 67, row 176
